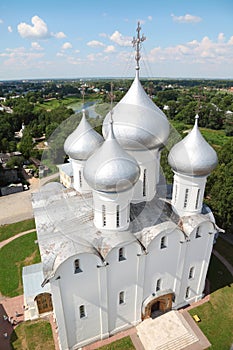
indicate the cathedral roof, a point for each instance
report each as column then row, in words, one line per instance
column 83, row 141
column 138, row 123
column 110, row 168
column 59, row 212
column 193, row 155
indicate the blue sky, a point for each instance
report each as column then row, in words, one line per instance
column 73, row 38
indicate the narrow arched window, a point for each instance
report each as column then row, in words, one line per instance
column 82, row 312
column 103, row 215
column 191, row 272
column 77, row 268
column 117, row 216
column 186, row 197
column 197, row 199
column 121, row 297
column 121, row 254
column 163, row 243
column 144, row 183
column 158, row 285
column 187, row 293
column 80, row 178
column 198, row 235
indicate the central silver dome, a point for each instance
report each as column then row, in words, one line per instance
column 193, row 155
column 110, row 168
column 138, row 123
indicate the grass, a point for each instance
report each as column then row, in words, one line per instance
column 54, row 103
column 7, row 231
column 33, row 335
column 216, row 315
column 20, row 252
column 124, row 343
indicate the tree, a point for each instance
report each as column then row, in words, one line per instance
column 219, row 188
column 26, row 144
column 15, row 162
column 221, row 196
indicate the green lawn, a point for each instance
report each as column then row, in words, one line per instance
column 33, row 335
column 7, row 231
column 20, row 252
column 121, row 344
column 54, row 103
column 216, row 315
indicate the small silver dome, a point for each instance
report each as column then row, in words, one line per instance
column 193, row 155
column 138, row 122
column 110, row 168
column 83, row 141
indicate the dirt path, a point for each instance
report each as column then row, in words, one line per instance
column 8, row 240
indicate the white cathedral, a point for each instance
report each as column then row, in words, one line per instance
column 115, row 247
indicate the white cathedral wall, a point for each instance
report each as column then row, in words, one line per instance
column 80, row 183
column 108, row 220
column 149, row 162
column 73, row 290
column 198, row 253
column 188, row 193
column 165, row 264
column 124, row 276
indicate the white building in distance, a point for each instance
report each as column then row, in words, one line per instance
column 115, row 248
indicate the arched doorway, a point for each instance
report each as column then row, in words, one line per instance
column 44, row 302
column 156, row 305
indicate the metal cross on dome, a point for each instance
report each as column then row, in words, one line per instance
column 137, row 44
column 199, row 98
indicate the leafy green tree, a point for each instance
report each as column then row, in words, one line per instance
column 219, row 187
column 221, row 196
column 4, row 145
column 26, row 144
column 15, row 162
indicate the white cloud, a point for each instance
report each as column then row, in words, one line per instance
column 36, row 46
column 230, row 42
column 59, row 35
column 150, row 18
column 1, row 21
column 20, row 57
column 195, row 51
column 38, row 30
column 94, row 57
column 95, row 43
column 110, row 49
column 120, row 40
column 9, row 28
column 66, row 46
column 221, row 37
column 186, row 18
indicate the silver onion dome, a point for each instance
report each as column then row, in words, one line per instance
column 193, row 155
column 83, row 141
column 110, row 168
column 138, row 123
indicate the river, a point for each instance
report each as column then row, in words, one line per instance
column 89, row 106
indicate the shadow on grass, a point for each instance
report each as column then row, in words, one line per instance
column 218, row 275
column 14, row 338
